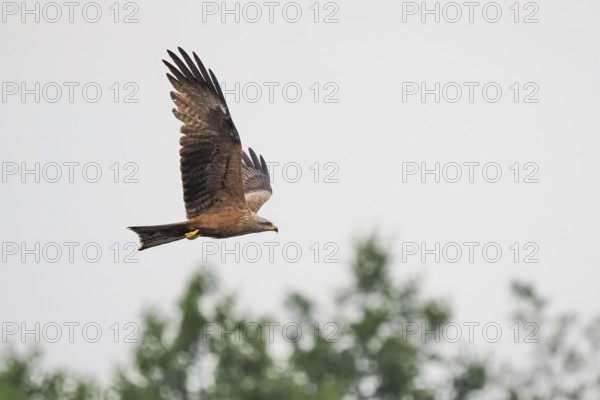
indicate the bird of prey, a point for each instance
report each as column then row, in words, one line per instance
column 223, row 187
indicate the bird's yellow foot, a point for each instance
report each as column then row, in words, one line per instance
column 192, row 235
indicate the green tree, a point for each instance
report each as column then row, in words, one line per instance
column 366, row 350
column 364, row 353
column 21, row 380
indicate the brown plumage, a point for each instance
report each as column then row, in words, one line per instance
column 223, row 187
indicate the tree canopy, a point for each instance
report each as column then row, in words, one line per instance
column 364, row 348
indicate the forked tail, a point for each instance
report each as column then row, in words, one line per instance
column 156, row 235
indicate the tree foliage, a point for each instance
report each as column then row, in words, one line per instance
column 211, row 350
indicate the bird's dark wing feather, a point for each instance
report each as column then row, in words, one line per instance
column 211, row 152
column 257, row 186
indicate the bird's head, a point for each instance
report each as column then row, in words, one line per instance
column 263, row 225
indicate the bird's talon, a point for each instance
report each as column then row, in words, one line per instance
column 192, row 235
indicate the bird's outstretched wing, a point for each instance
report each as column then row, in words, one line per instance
column 211, row 152
column 257, row 186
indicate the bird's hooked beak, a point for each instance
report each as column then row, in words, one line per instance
column 274, row 228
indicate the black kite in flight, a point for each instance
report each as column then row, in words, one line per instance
column 223, row 187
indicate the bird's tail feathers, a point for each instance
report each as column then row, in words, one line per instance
column 156, row 235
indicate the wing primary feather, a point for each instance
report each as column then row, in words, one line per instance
column 205, row 76
column 172, row 79
column 191, row 65
column 217, row 85
column 182, row 67
column 178, row 75
column 247, row 159
column 255, row 161
column 265, row 169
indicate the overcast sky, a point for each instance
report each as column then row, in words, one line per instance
column 360, row 107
